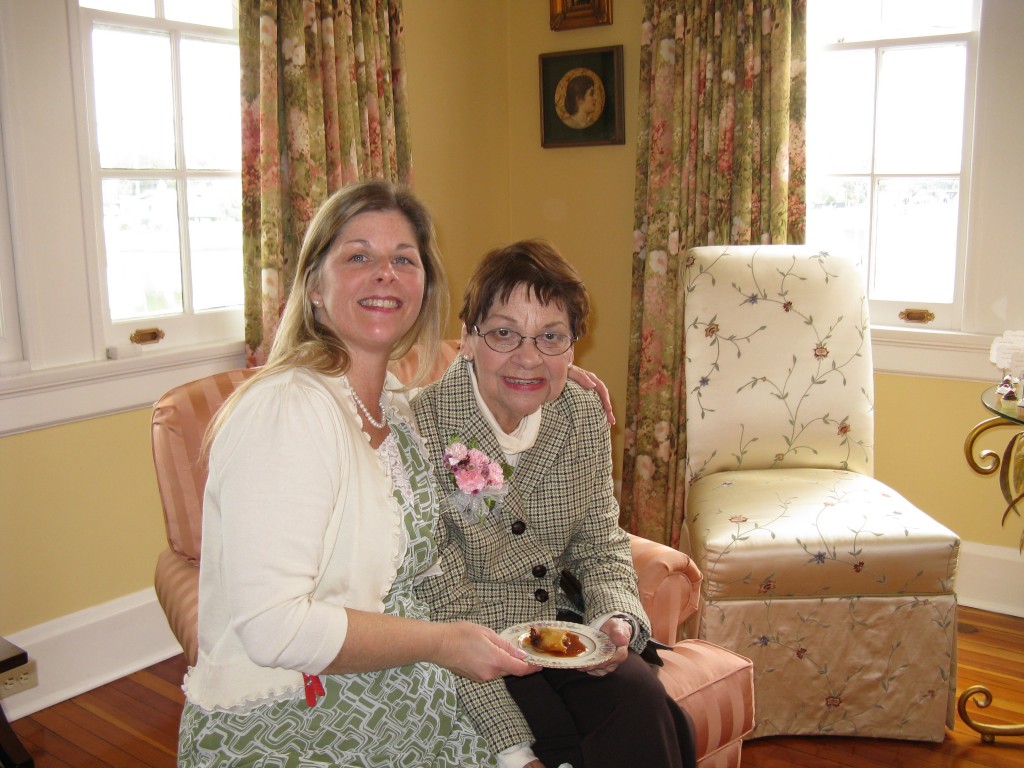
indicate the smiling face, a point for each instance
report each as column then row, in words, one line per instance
column 515, row 384
column 370, row 287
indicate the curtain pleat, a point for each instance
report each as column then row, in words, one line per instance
column 720, row 159
column 323, row 105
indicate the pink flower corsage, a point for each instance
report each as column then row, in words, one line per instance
column 479, row 479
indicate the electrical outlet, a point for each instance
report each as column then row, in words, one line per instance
column 18, row 679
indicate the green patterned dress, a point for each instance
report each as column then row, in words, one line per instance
column 404, row 717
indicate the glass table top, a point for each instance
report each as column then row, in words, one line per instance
column 1009, row 411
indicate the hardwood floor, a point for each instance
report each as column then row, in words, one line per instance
column 133, row 722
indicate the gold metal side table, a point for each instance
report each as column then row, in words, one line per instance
column 1011, row 482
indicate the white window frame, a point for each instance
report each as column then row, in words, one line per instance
column 11, row 357
column 947, row 316
column 960, row 350
column 63, row 373
column 188, row 326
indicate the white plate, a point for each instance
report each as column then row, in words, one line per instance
column 599, row 645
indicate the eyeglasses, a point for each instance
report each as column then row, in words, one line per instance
column 504, row 340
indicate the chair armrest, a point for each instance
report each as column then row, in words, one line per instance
column 669, row 583
column 177, row 590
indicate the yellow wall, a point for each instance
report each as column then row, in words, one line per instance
column 920, row 427
column 579, row 197
column 81, row 520
column 458, row 100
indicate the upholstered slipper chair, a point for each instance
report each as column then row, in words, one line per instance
column 715, row 685
column 839, row 590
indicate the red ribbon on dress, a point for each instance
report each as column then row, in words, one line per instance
column 314, row 688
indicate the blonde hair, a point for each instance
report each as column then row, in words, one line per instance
column 303, row 342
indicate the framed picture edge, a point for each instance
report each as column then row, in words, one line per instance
column 619, row 126
column 566, row 14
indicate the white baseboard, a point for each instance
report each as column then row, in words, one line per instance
column 990, row 578
column 84, row 650
column 79, row 652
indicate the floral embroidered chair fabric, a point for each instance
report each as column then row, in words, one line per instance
column 714, row 684
column 838, row 588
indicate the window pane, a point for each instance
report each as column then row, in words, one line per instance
column 839, row 215
column 910, row 18
column 920, row 109
column 840, row 112
column 134, row 110
column 830, row 21
column 140, row 225
column 210, row 105
column 213, row 13
column 134, row 7
column 215, row 235
column 915, row 240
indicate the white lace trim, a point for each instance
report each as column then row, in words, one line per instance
column 389, row 454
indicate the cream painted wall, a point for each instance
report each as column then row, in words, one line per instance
column 458, row 98
column 920, row 427
column 81, row 521
column 581, row 198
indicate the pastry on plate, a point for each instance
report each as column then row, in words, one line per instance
column 557, row 642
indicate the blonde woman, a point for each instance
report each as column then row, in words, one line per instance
column 318, row 513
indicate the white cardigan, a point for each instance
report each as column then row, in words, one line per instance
column 299, row 522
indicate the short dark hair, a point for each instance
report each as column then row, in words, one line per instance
column 535, row 264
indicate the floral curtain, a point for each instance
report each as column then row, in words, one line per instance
column 720, row 159
column 323, row 105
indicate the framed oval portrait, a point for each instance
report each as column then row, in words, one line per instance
column 581, row 98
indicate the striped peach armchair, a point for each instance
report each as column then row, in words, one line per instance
column 713, row 684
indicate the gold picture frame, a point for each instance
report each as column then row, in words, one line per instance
column 581, row 98
column 573, row 14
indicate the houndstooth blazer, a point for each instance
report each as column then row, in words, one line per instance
column 560, row 513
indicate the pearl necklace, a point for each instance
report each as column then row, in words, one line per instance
column 366, row 413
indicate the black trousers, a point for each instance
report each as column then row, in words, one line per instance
column 622, row 719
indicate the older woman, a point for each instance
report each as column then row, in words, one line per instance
column 317, row 522
column 538, row 539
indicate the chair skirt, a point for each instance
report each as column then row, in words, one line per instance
column 839, row 590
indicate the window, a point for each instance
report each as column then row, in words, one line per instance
column 889, row 147
column 10, row 332
column 114, row 220
column 162, row 93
